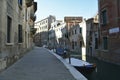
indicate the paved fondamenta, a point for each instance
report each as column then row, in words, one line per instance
column 38, row 64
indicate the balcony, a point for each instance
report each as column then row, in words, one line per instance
column 33, row 17
column 29, row 2
column 35, row 6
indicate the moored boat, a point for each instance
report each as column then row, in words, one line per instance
column 81, row 65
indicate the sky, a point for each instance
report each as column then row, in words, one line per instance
column 62, row 8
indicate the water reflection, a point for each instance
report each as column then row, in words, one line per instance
column 104, row 70
column 96, row 69
column 84, row 57
column 83, row 53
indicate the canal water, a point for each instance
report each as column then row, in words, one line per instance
column 103, row 71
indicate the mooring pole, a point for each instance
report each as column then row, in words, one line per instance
column 69, row 58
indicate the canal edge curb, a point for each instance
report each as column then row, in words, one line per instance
column 76, row 74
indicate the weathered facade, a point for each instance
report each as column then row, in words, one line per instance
column 109, row 11
column 43, row 27
column 92, row 36
column 13, row 26
column 77, row 38
column 70, row 21
column 55, row 33
column 76, row 35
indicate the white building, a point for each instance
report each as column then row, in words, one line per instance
column 58, row 32
column 55, row 33
column 43, row 27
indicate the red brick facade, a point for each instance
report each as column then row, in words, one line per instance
column 109, row 12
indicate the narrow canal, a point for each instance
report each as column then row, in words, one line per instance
column 104, row 70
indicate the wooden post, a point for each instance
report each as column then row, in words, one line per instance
column 69, row 58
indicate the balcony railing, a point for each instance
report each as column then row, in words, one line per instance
column 29, row 2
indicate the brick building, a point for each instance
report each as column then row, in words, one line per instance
column 109, row 13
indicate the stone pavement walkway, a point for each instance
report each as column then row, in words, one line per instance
column 38, row 64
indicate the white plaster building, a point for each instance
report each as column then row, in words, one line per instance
column 43, row 27
column 55, row 33
column 58, row 32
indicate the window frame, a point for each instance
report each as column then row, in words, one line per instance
column 75, row 31
column 104, row 17
column 96, row 43
column 20, row 34
column 80, row 44
column 80, row 30
column 105, row 44
column 9, row 29
column 20, row 3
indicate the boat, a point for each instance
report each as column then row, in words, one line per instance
column 81, row 65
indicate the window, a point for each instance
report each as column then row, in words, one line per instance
column 96, row 43
column 105, row 43
column 104, row 17
column 46, row 27
column 20, row 40
column 72, row 44
column 58, row 24
column 75, row 31
column 80, row 30
column 9, row 26
column 75, row 43
column 20, row 2
column 66, row 35
column 80, row 43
